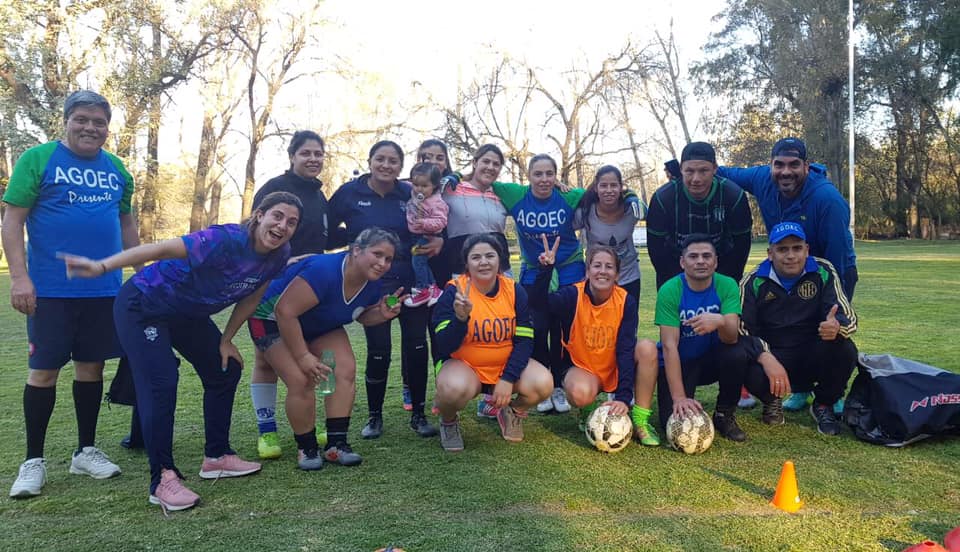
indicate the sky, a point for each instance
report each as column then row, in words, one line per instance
column 438, row 44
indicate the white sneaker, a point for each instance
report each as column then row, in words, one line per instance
column 559, row 399
column 33, row 474
column 545, row 406
column 93, row 462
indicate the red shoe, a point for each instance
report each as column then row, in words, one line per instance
column 228, row 465
column 418, row 299
column 435, row 294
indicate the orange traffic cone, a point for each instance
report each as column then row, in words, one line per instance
column 952, row 540
column 925, row 546
column 787, row 496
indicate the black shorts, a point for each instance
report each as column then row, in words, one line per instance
column 265, row 333
column 79, row 328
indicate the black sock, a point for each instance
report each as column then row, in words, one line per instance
column 37, row 408
column 376, row 381
column 337, row 431
column 307, row 441
column 86, row 402
column 136, row 431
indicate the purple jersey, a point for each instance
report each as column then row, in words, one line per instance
column 221, row 268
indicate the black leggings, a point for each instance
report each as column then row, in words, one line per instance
column 413, row 357
column 725, row 364
column 633, row 290
column 823, row 367
column 547, row 348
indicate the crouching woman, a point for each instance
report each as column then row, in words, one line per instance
column 484, row 338
column 599, row 319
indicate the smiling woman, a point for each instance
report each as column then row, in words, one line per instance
column 301, row 317
column 484, row 339
column 168, row 305
column 306, row 153
column 600, row 321
column 379, row 199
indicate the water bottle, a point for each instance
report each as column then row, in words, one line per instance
column 329, row 386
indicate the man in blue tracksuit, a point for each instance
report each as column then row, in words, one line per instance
column 789, row 189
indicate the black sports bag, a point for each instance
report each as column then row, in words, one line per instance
column 895, row 401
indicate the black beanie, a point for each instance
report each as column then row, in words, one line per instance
column 698, row 151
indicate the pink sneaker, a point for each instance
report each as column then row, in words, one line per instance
column 171, row 494
column 228, row 465
column 435, row 294
column 420, row 298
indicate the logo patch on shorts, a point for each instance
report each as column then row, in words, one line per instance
column 151, row 333
column 807, row 290
column 31, row 348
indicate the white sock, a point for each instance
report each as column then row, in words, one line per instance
column 264, row 396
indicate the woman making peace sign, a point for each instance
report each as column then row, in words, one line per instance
column 599, row 319
column 484, row 336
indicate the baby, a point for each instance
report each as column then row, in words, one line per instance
column 426, row 217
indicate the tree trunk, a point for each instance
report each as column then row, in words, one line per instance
column 628, row 128
column 213, row 214
column 216, row 190
column 913, row 210
column 148, row 205
column 198, row 213
column 248, row 181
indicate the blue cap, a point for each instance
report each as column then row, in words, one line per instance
column 789, row 147
column 785, row 229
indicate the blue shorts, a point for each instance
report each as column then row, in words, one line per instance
column 79, row 328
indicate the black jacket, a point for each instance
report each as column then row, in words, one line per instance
column 786, row 320
column 724, row 215
column 311, row 235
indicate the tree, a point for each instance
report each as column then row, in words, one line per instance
column 155, row 57
column 578, row 105
column 911, row 71
column 493, row 109
column 270, row 64
column 788, row 56
column 220, row 102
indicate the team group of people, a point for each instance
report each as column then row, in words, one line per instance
column 429, row 249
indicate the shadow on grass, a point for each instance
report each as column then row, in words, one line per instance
column 762, row 492
column 564, row 426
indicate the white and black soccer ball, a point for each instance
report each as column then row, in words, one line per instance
column 607, row 432
column 690, row 434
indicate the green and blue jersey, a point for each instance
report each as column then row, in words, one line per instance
column 75, row 205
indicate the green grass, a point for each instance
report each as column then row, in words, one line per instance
column 551, row 492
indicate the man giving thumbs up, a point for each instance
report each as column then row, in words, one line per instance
column 795, row 303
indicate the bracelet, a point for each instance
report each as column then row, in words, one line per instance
column 104, row 267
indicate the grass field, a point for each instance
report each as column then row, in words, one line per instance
column 551, row 492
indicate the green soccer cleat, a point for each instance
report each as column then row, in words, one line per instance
column 268, row 446
column 642, row 428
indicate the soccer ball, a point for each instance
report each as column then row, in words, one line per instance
column 608, row 433
column 691, row 434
